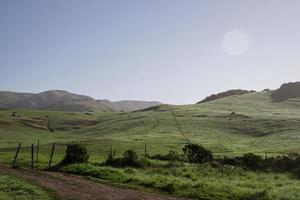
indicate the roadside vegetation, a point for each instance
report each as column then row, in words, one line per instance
column 195, row 174
column 12, row 188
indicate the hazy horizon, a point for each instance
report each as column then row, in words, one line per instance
column 175, row 52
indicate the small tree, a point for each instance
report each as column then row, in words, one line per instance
column 130, row 158
column 197, row 154
column 76, row 154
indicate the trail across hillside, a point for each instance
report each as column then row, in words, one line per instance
column 75, row 187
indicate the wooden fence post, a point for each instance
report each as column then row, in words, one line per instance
column 32, row 156
column 37, row 151
column 111, row 151
column 16, row 155
column 51, row 156
column 145, row 149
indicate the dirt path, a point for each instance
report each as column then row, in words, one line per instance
column 75, row 187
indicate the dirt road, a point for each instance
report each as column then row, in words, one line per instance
column 79, row 188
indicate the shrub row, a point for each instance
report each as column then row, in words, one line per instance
column 192, row 153
column 290, row 163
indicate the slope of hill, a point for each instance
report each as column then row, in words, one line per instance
column 59, row 100
column 225, row 94
column 228, row 126
column 46, row 99
column 286, row 91
column 7, row 98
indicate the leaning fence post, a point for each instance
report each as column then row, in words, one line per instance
column 51, row 156
column 32, row 156
column 37, row 151
column 16, row 155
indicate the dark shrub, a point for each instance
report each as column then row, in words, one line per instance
column 197, row 154
column 173, row 158
column 252, row 161
column 130, row 159
column 231, row 161
column 76, row 154
column 296, row 172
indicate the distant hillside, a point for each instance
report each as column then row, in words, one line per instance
column 286, row 91
column 229, row 126
column 7, row 98
column 59, row 100
column 226, row 94
column 47, row 99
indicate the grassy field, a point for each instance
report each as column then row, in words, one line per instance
column 228, row 127
column 12, row 188
column 199, row 182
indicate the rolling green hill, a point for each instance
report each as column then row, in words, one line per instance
column 229, row 126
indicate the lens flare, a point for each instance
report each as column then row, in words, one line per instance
column 236, row 42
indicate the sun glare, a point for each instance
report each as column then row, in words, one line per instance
column 236, row 42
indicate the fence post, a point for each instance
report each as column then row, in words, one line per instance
column 37, row 151
column 16, row 155
column 145, row 149
column 32, row 156
column 51, row 156
column 111, row 151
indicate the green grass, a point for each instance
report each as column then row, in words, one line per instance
column 228, row 127
column 12, row 188
column 199, row 182
column 258, row 125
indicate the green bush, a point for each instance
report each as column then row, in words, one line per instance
column 197, row 154
column 129, row 159
column 76, row 154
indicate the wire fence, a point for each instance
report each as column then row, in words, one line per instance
column 46, row 155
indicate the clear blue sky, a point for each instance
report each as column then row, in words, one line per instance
column 172, row 51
